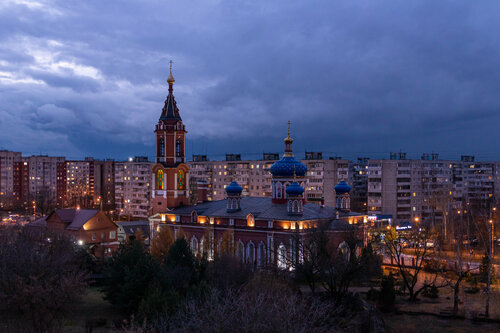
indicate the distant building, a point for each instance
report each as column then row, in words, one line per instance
column 86, row 227
column 8, row 161
column 133, row 188
column 47, row 179
column 255, row 178
column 90, row 183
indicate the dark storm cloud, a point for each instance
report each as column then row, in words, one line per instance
column 355, row 78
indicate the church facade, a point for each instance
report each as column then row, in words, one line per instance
column 260, row 230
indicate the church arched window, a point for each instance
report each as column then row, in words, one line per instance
column 250, row 220
column 160, row 180
column 344, row 251
column 194, row 217
column 282, row 256
column 161, row 148
column 181, row 181
column 251, row 253
column 178, row 148
column 194, row 245
column 295, row 206
column 240, row 251
column 279, row 190
column 261, row 254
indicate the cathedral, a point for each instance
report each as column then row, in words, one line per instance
column 261, row 230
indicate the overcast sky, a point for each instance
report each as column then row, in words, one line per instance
column 356, row 78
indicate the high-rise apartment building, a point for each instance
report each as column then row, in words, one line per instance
column 133, row 187
column 255, row 178
column 104, row 184
column 8, row 160
column 47, row 179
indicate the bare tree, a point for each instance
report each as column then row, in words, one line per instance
column 461, row 256
column 41, row 277
column 416, row 241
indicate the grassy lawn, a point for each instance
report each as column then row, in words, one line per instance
column 420, row 324
column 93, row 310
column 472, row 306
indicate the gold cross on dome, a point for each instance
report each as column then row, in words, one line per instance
column 171, row 62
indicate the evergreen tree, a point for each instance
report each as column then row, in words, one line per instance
column 130, row 272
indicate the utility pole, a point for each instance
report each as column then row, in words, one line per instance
column 490, row 260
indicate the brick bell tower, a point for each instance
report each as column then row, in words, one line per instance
column 170, row 173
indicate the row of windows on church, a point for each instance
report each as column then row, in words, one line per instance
column 259, row 256
column 178, row 148
column 160, row 180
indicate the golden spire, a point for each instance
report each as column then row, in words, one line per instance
column 170, row 79
column 288, row 139
column 288, row 143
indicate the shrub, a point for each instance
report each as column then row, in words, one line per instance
column 431, row 292
column 387, row 296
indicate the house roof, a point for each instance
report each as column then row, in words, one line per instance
column 41, row 222
column 263, row 209
column 131, row 227
column 81, row 217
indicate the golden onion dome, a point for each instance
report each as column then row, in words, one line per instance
column 170, row 78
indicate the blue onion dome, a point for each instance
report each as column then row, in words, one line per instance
column 342, row 187
column 234, row 188
column 294, row 189
column 287, row 166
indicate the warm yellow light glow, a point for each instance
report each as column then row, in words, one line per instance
column 292, row 225
column 417, row 219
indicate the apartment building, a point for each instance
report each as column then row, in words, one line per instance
column 8, row 160
column 80, row 183
column 133, row 187
column 90, row 183
column 422, row 190
column 47, row 178
column 358, row 178
column 104, row 184
column 255, row 178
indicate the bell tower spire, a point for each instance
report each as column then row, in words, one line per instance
column 171, row 174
